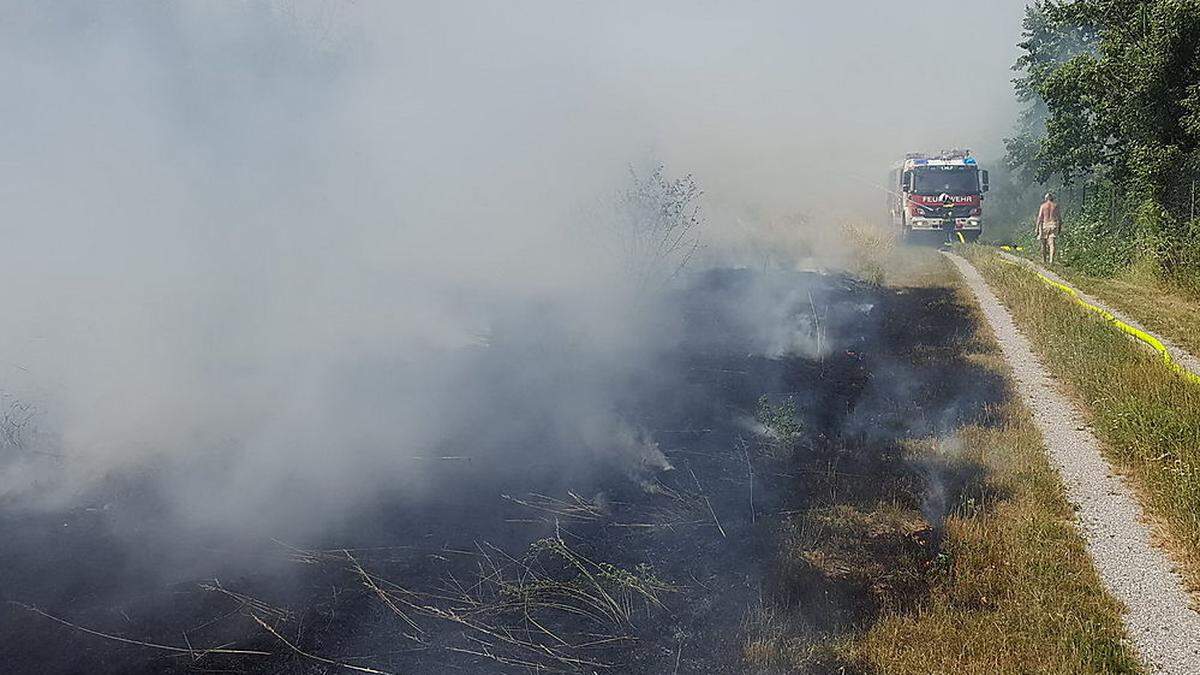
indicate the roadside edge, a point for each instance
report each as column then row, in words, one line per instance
column 1158, row 616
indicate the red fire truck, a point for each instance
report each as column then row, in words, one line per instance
column 938, row 194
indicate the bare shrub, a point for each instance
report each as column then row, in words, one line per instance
column 870, row 249
column 658, row 220
column 16, row 422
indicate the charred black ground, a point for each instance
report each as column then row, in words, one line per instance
column 766, row 526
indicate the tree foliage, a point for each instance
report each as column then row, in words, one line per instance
column 1112, row 94
column 1046, row 44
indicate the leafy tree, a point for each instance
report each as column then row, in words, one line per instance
column 1112, row 89
column 1045, row 44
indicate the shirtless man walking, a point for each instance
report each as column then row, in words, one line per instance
column 1048, row 227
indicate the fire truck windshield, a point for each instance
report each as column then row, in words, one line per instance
column 949, row 179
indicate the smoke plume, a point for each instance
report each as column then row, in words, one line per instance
column 276, row 256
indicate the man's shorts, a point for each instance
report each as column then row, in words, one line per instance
column 1050, row 230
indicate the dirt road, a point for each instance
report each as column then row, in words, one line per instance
column 1159, row 619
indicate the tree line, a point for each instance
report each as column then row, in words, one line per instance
column 1111, row 115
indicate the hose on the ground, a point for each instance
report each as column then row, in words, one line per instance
column 1136, row 333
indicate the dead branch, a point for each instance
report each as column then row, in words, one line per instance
column 247, row 601
column 314, row 657
column 370, row 583
column 749, row 470
column 707, row 503
column 577, row 509
column 141, row 643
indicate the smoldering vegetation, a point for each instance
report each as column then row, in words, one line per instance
column 774, row 506
column 381, row 338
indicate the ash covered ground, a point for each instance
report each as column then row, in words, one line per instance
column 732, row 526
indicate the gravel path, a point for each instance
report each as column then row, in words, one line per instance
column 1181, row 356
column 1162, row 626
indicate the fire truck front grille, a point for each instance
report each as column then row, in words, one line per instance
column 943, row 212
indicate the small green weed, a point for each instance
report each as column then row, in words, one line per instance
column 781, row 423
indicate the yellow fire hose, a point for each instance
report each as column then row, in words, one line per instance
column 1121, row 325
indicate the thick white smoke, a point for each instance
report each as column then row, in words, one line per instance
column 262, row 248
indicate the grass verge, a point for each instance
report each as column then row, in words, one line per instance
column 1147, row 417
column 1158, row 307
column 1139, row 291
column 1014, row 590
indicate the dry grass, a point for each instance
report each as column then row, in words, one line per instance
column 1147, row 417
column 1011, row 589
column 872, row 251
column 885, row 549
column 1014, row 590
column 512, row 610
column 774, row 644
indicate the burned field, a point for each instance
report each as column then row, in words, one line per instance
column 771, row 504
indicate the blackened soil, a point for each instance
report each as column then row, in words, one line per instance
column 740, row 527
